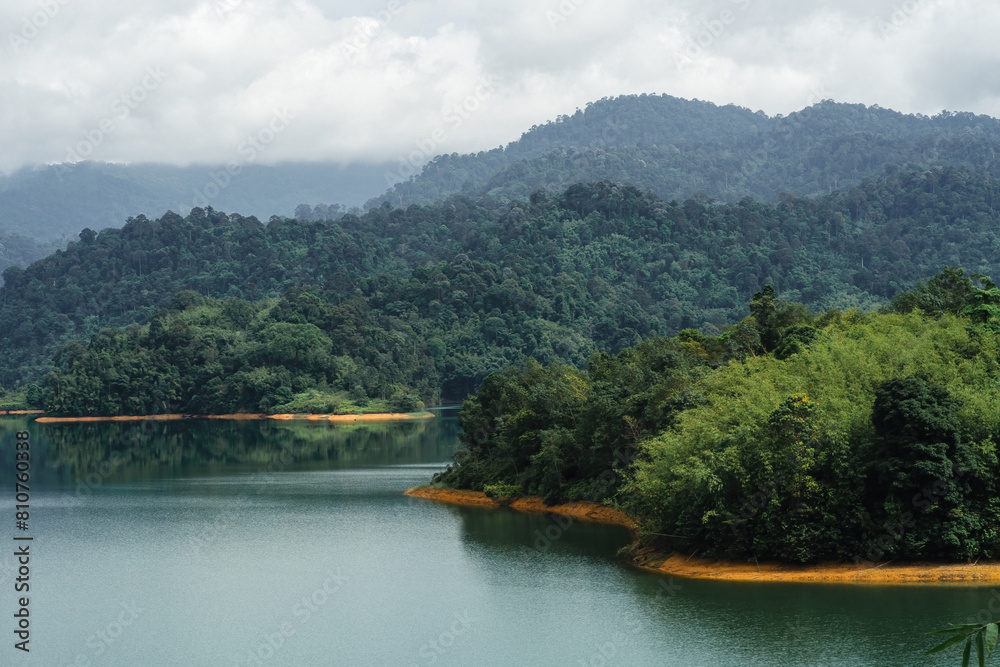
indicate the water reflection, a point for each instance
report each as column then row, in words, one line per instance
column 188, row 504
column 122, row 451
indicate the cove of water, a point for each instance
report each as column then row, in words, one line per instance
column 261, row 543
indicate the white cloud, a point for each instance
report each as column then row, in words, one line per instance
column 374, row 80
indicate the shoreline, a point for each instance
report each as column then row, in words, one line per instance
column 582, row 510
column 658, row 562
column 7, row 413
column 247, row 416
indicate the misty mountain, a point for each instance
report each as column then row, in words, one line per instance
column 678, row 148
column 56, row 202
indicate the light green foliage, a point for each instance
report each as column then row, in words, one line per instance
column 860, row 437
column 700, row 478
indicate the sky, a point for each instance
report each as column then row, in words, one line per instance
column 266, row 81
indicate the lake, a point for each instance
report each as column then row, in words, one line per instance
column 275, row 543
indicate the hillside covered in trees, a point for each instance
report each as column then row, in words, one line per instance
column 470, row 287
column 794, row 435
column 682, row 148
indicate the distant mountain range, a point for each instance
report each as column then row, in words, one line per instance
column 679, row 148
column 51, row 202
column 673, row 147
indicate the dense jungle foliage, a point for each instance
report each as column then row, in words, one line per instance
column 475, row 286
column 793, row 435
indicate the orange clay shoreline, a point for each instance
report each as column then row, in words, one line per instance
column 583, row 511
column 4, row 413
column 349, row 419
column 651, row 560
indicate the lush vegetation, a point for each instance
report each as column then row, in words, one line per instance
column 217, row 357
column 477, row 286
column 13, row 400
column 790, row 436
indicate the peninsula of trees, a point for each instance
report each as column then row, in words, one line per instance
column 793, row 436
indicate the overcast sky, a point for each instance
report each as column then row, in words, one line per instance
column 183, row 81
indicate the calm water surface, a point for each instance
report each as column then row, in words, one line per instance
column 224, row 543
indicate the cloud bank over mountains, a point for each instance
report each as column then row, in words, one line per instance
column 266, row 81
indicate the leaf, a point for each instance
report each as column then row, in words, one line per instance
column 948, row 643
column 955, row 628
column 967, row 653
column 992, row 632
column 981, row 649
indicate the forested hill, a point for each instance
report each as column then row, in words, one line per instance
column 678, row 148
column 599, row 266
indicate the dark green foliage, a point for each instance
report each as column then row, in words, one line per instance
column 794, row 339
column 295, row 354
column 517, row 431
column 921, row 466
column 598, row 268
column 950, row 291
column 916, row 428
column 562, row 434
column 860, row 437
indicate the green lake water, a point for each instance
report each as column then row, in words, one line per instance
column 262, row 543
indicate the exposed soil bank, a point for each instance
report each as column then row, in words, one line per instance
column 4, row 413
column 822, row 573
column 348, row 419
column 583, row 511
column 700, row 568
